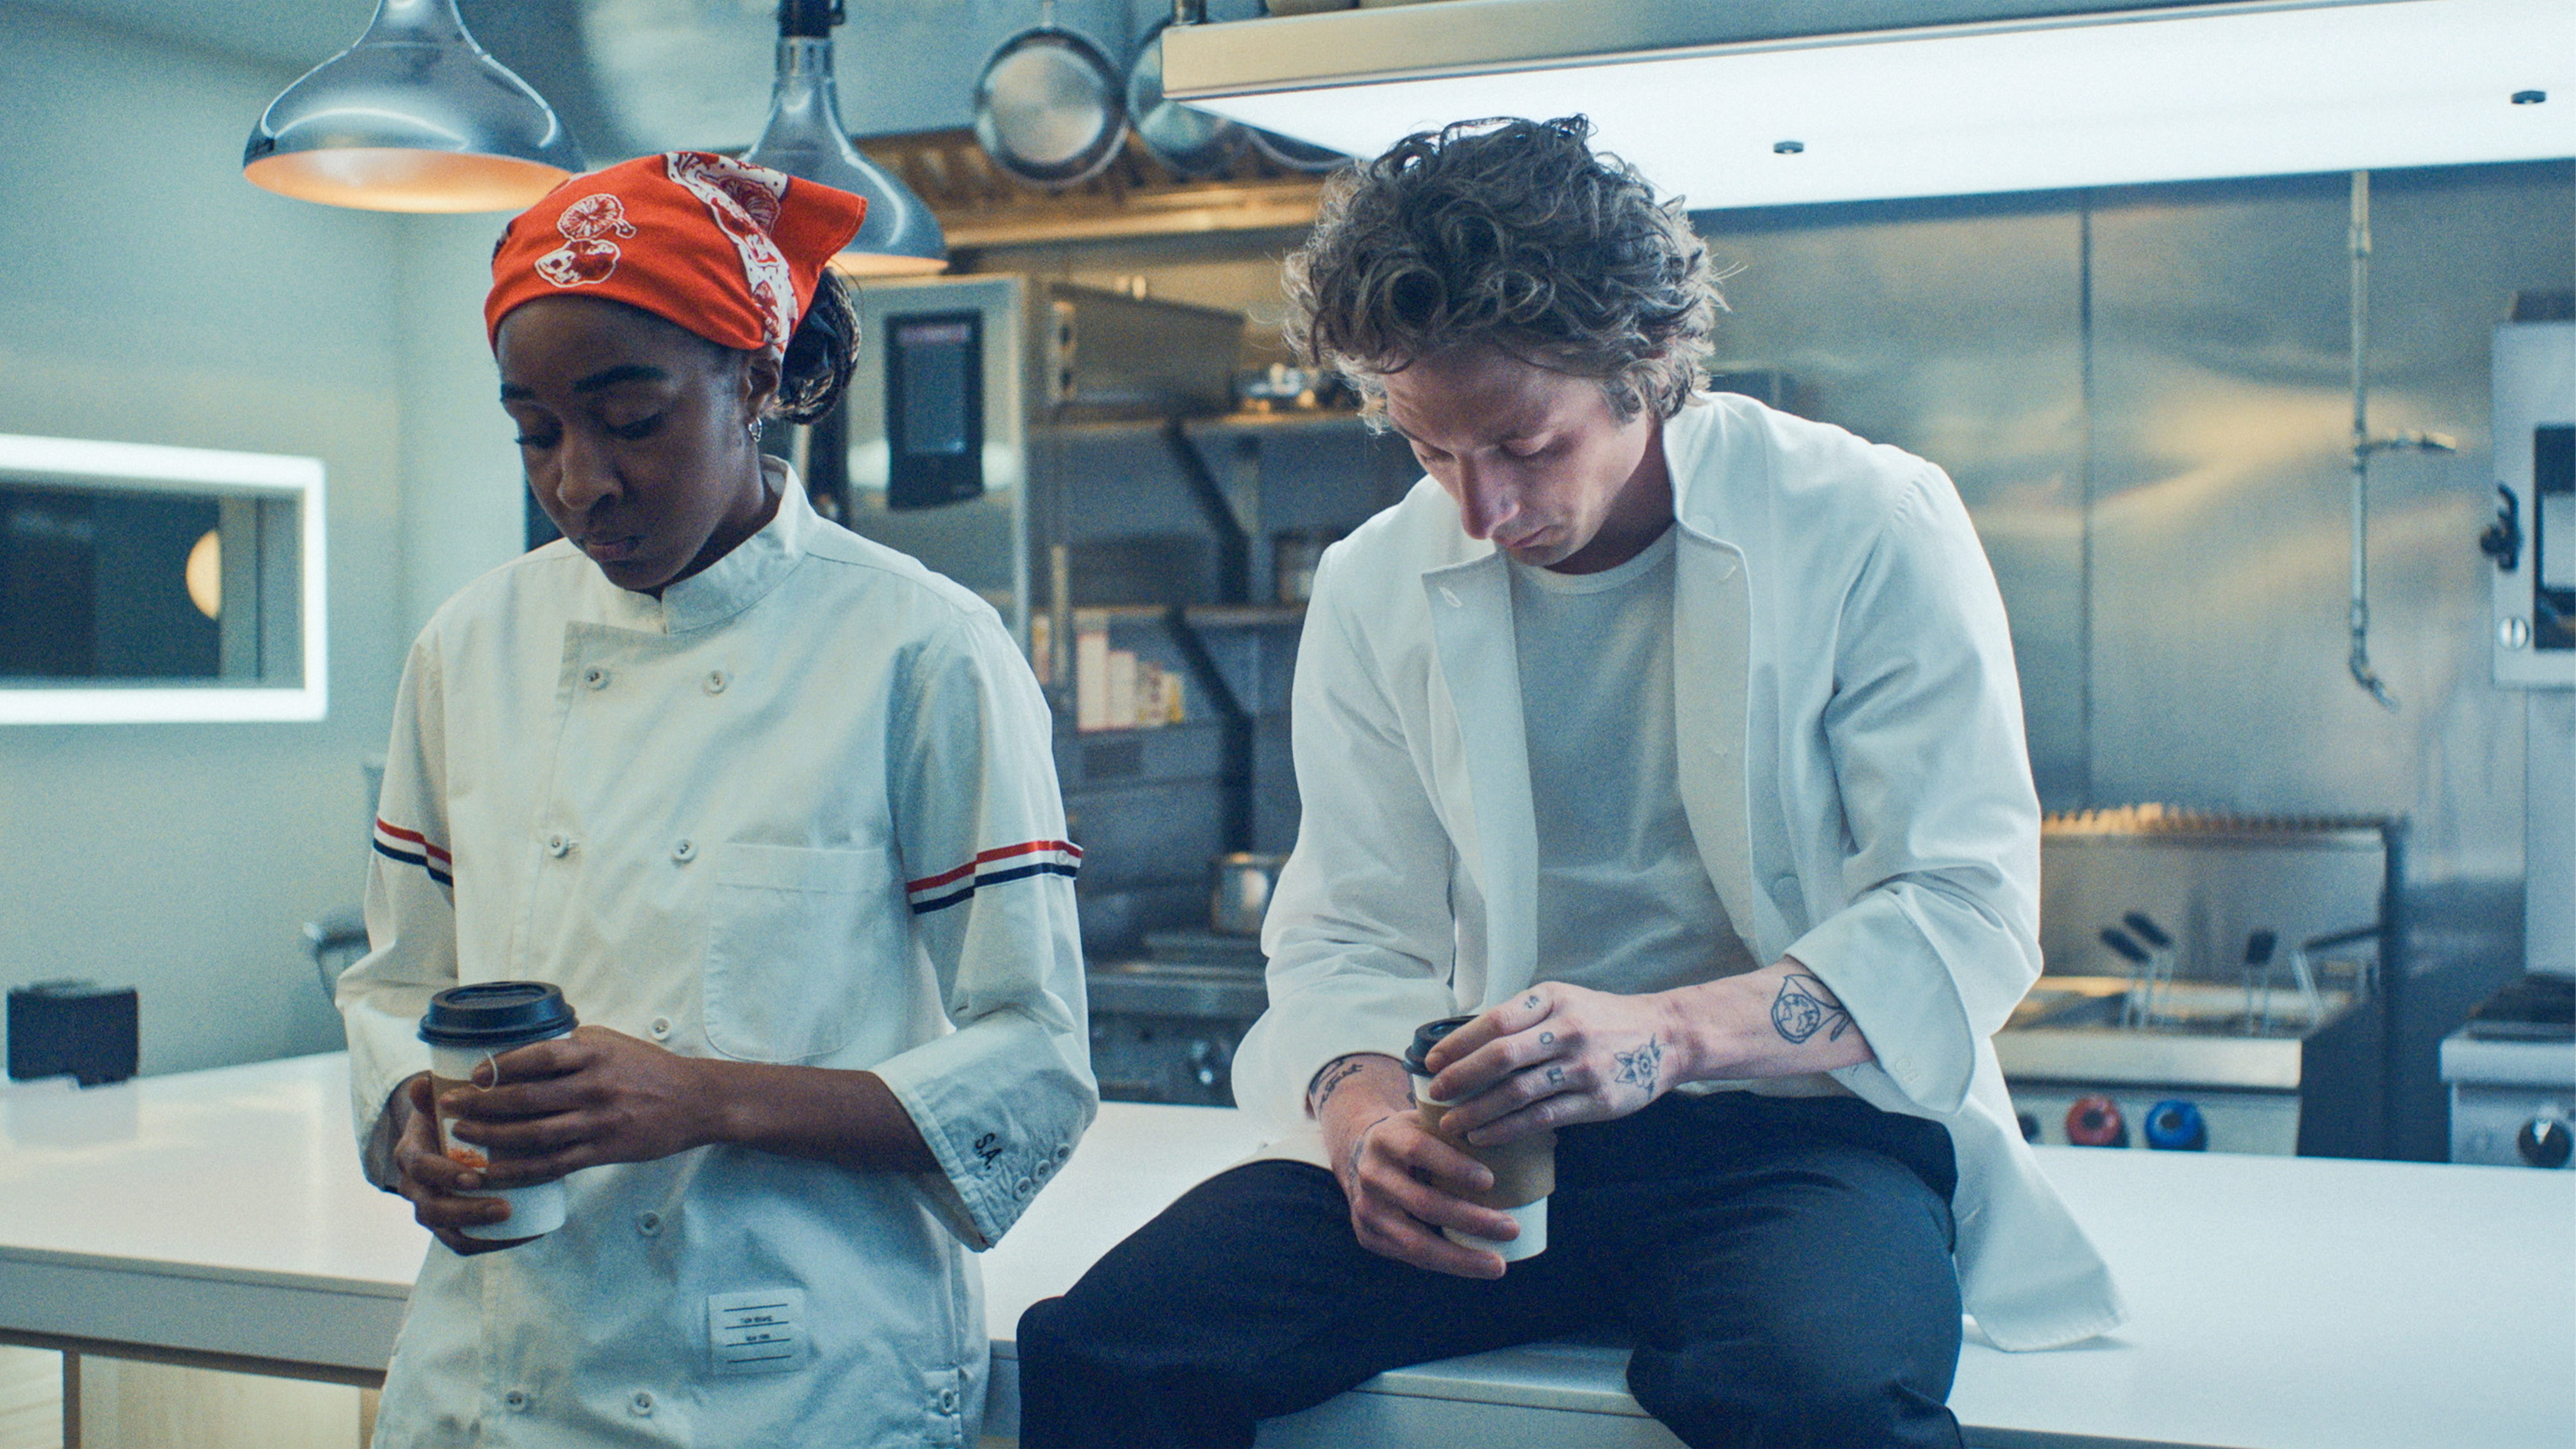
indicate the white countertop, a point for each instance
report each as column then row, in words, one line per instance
column 2298, row 1303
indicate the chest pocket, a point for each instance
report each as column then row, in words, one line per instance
column 795, row 939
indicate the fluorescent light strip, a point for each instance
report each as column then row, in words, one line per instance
column 2118, row 101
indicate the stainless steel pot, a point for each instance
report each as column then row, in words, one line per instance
column 1239, row 891
column 1049, row 108
column 1191, row 142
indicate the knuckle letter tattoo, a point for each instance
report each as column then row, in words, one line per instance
column 1804, row 1007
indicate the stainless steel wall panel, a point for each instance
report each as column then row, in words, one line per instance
column 1953, row 330
column 2150, row 426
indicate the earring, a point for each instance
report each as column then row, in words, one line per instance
column 753, row 428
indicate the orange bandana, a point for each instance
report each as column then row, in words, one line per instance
column 727, row 250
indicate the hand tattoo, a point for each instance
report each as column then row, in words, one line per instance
column 1638, row 1068
column 1804, row 1007
column 1547, row 1038
column 1556, row 1076
column 1334, row 1075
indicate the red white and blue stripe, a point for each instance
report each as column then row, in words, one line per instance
column 413, row 848
column 991, row 868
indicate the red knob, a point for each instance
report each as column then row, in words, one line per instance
column 2096, row 1122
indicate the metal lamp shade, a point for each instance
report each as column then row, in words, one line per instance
column 414, row 117
column 804, row 138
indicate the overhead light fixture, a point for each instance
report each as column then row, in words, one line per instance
column 805, row 137
column 1920, row 98
column 414, row 117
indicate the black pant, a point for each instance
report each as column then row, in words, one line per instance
column 1783, row 1263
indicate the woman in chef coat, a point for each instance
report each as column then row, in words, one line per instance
column 775, row 807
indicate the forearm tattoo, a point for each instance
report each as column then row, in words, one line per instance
column 1638, row 1068
column 1804, row 1007
column 1332, row 1077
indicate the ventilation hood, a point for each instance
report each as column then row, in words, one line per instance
column 1795, row 101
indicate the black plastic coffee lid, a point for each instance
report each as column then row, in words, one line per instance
column 1427, row 1036
column 496, row 1013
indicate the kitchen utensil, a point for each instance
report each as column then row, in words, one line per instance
column 2258, row 958
column 1294, row 155
column 1192, row 142
column 1049, row 108
column 1239, row 891
column 2134, row 1003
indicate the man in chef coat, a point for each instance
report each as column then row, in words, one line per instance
column 1679, row 740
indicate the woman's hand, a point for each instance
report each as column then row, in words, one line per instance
column 1403, row 1184
column 581, row 1100
column 432, row 1183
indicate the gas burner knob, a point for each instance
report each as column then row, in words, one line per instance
column 2544, row 1142
column 2174, row 1125
column 2096, row 1122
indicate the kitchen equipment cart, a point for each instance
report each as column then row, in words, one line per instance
column 217, row 1219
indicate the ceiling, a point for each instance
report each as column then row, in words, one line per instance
column 631, row 76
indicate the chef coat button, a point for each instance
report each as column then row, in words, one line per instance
column 1449, row 596
column 948, row 1401
column 649, row 1224
column 558, row 843
column 1023, row 1187
column 685, row 851
column 1061, row 1153
column 595, row 676
column 516, row 1401
column 641, row 1406
column 660, row 1026
column 717, row 679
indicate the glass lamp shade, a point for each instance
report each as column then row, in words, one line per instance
column 804, row 138
column 414, row 117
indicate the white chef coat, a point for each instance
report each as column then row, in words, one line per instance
column 1850, row 761
column 802, row 809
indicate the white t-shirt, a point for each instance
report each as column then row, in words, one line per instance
column 1624, row 901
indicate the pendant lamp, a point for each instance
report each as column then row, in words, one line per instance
column 414, row 117
column 805, row 138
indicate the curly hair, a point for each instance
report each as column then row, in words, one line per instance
column 822, row 354
column 1513, row 234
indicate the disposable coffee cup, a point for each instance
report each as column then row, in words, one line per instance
column 467, row 1026
column 1524, row 1169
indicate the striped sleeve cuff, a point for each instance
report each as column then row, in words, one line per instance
column 989, row 868
column 413, row 848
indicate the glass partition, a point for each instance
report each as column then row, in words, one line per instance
column 150, row 584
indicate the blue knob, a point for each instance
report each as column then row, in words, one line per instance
column 2174, row 1125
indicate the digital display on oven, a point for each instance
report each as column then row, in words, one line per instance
column 934, row 409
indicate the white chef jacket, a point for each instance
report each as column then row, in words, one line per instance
column 1851, row 764
column 800, row 809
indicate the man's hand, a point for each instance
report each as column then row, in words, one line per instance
column 581, row 1100
column 434, row 1185
column 1403, row 1184
column 1552, row 1056
column 1559, row 1054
